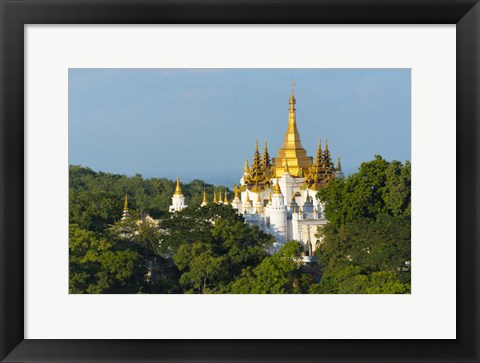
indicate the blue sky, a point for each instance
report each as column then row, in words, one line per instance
column 203, row 123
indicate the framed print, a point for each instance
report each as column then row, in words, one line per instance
column 294, row 254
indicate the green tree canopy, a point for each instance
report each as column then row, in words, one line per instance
column 366, row 244
column 280, row 273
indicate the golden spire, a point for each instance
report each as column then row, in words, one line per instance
column 214, row 197
column 204, row 196
column 258, row 198
column 256, row 147
column 267, row 164
column 225, row 200
column 292, row 146
column 235, row 189
column 326, row 144
column 292, row 100
column 246, row 170
column 220, row 197
column 126, row 213
column 339, row 165
column 276, row 188
column 125, row 203
column 286, row 170
column 247, row 200
column 178, row 189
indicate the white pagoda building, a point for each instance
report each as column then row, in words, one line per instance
column 279, row 194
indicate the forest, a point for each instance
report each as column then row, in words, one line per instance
column 365, row 248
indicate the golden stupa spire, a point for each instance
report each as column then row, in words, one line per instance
column 247, row 200
column 339, row 165
column 225, row 200
column 204, row 196
column 126, row 213
column 292, row 146
column 178, row 189
column 125, row 202
column 326, row 144
column 276, row 188
column 220, row 197
column 235, row 189
column 258, row 198
column 214, row 197
column 246, row 170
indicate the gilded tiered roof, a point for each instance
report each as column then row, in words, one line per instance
column 257, row 177
column 322, row 169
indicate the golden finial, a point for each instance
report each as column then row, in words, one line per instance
column 256, row 147
column 214, row 197
column 125, row 203
column 220, row 197
column 286, row 167
column 246, row 170
column 326, row 144
column 178, row 189
column 225, row 200
column 235, row 189
column 339, row 165
column 292, row 96
column 258, row 198
column 276, row 188
column 204, row 196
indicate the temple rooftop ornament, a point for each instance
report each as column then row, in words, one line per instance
column 178, row 189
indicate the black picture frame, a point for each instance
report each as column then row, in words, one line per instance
column 16, row 13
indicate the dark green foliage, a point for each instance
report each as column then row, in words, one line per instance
column 96, row 198
column 366, row 244
column 97, row 266
column 365, row 249
column 211, row 245
column 281, row 273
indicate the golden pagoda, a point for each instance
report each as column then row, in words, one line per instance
column 292, row 150
column 178, row 189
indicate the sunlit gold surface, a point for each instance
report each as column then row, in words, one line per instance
column 292, row 150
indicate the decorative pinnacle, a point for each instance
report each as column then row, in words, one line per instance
column 125, row 203
column 204, row 196
column 214, row 197
column 339, row 165
column 235, row 189
column 256, row 147
column 276, row 188
column 178, row 189
column 246, row 170
column 286, row 167
column 220, row 197
column 225, row 200
column 326, row 144
column 292, row 97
